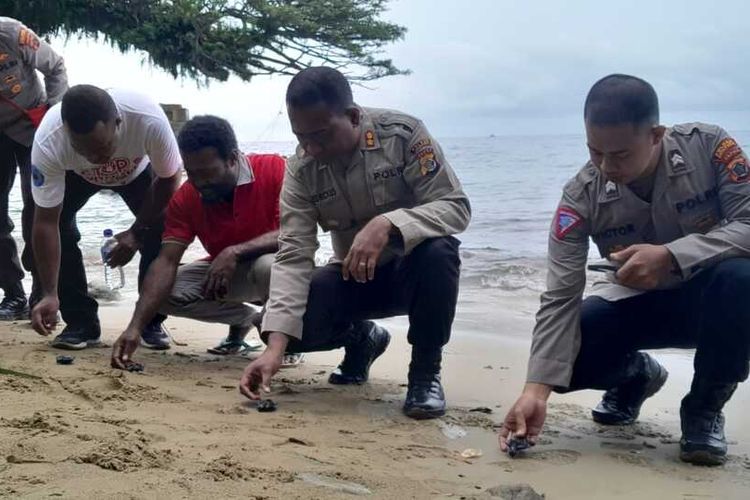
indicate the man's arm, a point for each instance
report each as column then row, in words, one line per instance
column 166, row 162
column 152, row 209
column 157, row 285
column 224, row 265
column 156, row 288
column 556, row 338
column 263, row 244
column 149, row 214
column 45, row 236
column 292, row 270
column 443, row 208
column 696, row 252
column 557, row 333
column 290, row 282
column 40, row 55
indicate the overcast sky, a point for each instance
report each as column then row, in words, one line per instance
column 483, row 67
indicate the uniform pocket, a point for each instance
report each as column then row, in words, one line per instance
column 334, row 213
column 388, row 186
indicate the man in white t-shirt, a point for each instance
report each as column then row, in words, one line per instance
column 94, row 140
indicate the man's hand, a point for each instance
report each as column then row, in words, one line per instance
column 366, row 248
column 643, row 267
column 124, row 348
column 44, row 315
column 220, row 274
column 259, row 372
column 526, row 416
column 123, row 252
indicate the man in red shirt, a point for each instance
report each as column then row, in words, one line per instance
column 231, row 204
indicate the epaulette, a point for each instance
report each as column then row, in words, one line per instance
column 585, row 177
column 390, row 122
column 691, row 128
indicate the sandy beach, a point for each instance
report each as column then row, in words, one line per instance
column 181, row 429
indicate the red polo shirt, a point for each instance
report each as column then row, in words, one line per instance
column 253, row 212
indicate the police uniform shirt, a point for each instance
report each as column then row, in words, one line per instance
column 398, row 171
column 699, row 209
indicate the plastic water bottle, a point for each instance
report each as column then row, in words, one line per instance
column 110, row 275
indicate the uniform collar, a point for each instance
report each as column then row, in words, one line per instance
column 245, row 175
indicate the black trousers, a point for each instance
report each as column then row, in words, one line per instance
column 14, row 155
column 707, row 313
column 423, row 284
column 76, row 305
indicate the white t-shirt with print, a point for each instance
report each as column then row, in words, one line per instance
column 143, row 135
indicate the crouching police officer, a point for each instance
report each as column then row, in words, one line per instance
column 670, row 208
column 379, row 183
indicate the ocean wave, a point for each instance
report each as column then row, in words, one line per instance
column 490, row 268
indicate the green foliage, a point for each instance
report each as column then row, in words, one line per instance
column 213, row 39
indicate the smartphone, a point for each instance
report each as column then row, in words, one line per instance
column 602, row 268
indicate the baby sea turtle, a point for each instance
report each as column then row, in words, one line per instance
column 65, row 360
column 135, row 367
column 267, row 405
column 516, row 445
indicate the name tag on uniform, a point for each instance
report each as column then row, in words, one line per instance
column 388, row 173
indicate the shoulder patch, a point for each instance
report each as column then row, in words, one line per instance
column 27, row 38
column 566, row 219
column 728, row 155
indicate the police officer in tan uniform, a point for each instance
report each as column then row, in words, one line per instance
column 670, row 210
column 380, row 184
column 23, row 102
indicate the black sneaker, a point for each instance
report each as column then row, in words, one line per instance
column 75, row 338
column 622, row 405
column 14, row 308
column 155, row 337
column 703, row 441
column 370, row 342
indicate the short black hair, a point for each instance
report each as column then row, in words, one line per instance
column 320, row 84
column 83, row 106
column 208, row 131
column 622, row 99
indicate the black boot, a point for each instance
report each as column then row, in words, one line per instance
column 14, row 306
column 367, row 341
column 622, row 404
column 703, row 441
column 425, row 397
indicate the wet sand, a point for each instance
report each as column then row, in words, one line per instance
column 181, row 429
